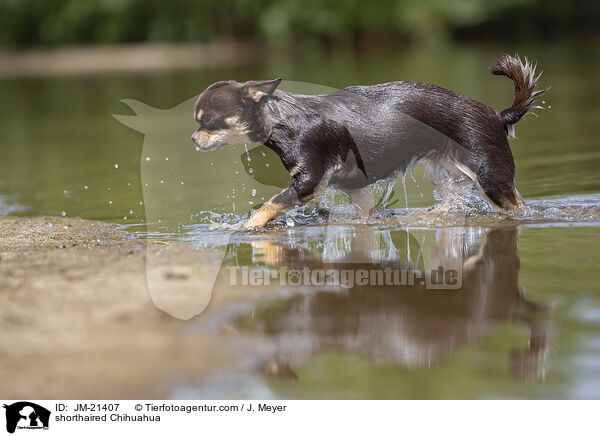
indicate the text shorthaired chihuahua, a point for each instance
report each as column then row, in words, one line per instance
column 355, row 136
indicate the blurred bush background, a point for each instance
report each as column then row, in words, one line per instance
column 358, row 23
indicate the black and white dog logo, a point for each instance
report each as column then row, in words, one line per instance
column 26, row 415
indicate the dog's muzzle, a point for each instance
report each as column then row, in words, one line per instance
column 205, row 141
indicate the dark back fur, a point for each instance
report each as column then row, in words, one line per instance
column 394, row 124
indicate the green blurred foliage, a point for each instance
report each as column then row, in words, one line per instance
column 61, row 22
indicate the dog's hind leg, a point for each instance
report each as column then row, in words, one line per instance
column 365, row 204
column 441, row 174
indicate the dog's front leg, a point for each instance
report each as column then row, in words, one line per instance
column 304, row 187
column 269, row 211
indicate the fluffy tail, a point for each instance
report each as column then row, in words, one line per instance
column 525, row 79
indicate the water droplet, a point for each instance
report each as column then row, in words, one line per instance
column 262, row 153
column 237, row 172
column 63, row 213
column 125, row 218
column 116, row 165
column 141, row 202
column 549, row 107
column 147, row 158
column 130, row 211
column 267, row 165
column 166, row 158
column 109, row 201
column 253, row 192
column 162, row 181
column 182, row 183
column 212, row 164
column 129, row 184
column 85, row 187
column 108, row 188
column 250, row 170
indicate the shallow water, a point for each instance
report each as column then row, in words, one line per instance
column 522, row 323
column 524, row 320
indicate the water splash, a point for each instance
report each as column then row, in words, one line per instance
column 405, row 192
column 334, row 208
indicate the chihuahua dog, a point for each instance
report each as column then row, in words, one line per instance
column 361, row 134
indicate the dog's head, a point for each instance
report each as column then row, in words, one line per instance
column 226, row 113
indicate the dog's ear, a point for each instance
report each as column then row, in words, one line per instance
column 258, row 90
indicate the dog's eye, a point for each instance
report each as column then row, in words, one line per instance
column 212, row 122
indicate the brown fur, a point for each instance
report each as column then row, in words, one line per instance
column 525, row 79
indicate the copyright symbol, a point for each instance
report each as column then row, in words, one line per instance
column 138, row 407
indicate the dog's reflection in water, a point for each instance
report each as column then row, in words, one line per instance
column 409, row 325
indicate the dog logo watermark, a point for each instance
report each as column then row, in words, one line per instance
column 24, row 415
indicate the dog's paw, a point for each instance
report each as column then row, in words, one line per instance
column 256, row 222
column 225, row 226
column 250, row 226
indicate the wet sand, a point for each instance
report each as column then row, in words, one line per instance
column 77, row 320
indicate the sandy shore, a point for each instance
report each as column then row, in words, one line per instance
column 77, row 320
column 126, row 58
